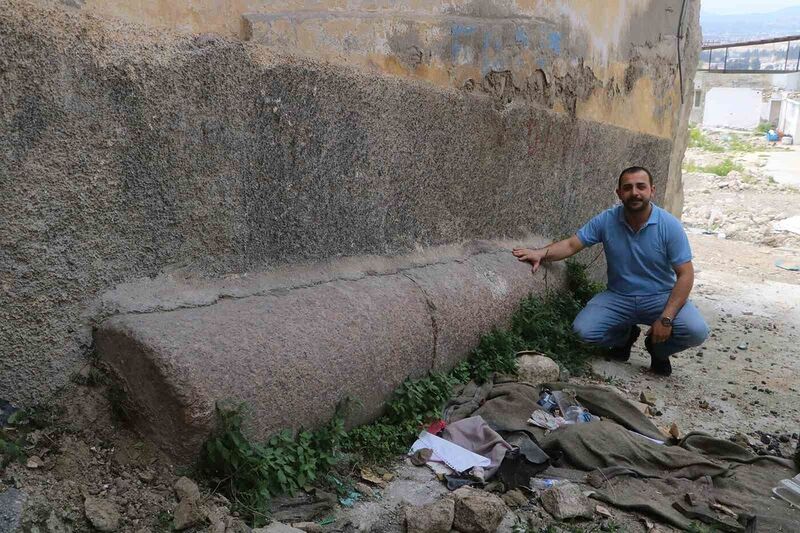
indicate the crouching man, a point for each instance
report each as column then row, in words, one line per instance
column 650, row 276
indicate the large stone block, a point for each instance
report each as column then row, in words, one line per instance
column 290, row 357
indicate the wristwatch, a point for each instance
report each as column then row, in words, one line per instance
column 666, row 321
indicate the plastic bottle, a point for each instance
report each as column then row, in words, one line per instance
column 539, row 483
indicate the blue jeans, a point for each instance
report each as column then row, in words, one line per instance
column 608, row 317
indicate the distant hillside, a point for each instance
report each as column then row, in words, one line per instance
column 731, row 28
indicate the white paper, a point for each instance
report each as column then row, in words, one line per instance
column 453, row 455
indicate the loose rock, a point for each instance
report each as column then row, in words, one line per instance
column 187, row 515
column 434, row 518
column 186, row 489
column 103, row 514
column 648, row 398
column 566, row 501
column 537, row 369
column 515, row 498
column 477, row 511
column 277, row 527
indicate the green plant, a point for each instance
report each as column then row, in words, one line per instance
column 720, row 169
column 93, row 377
column 249, row 473
column 737, row 144
column 763, row 127
column 697, row 139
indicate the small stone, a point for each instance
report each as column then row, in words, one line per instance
column 308, row 527
column 703, row 404
column 733, row 357
column 434, row 518
column 103, row 514
column 514, row 499
column 186, row 489
column 795, row 436
column 784, row 438
column 742, row 346
column 566, row 501
column 765, row 439
column 537, row 369
column 34, row 461
column 477, row 511
column 674, row 431
column 647, row 398
column 187, row 515
column 365, row 489
column 603, row 511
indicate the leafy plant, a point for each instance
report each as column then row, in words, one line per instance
column 697, row 139
column 249, row 474
column 720, row 169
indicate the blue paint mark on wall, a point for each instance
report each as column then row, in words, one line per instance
column 522, row 37
column 554, row 41
column 456, row 32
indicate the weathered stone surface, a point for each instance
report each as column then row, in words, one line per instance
column 537, row 369
column 122, row 171
column 566, row 501
column 103, row 514
column 342, row 339
column 309, row 527
column 477, row 511
column 11, row 503
column 186, row 489
column 434, row 518
column 187, row 514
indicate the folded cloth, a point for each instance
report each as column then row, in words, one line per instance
column 475, row 435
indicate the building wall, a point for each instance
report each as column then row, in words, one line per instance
column 733, row 108
column 133, row 151
column 789, row 121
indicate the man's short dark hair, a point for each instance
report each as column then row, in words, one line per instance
column 631, row 170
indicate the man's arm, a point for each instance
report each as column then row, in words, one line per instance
column 552, row 252
column 680, row 293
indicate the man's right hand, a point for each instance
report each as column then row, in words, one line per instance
column 534, row 257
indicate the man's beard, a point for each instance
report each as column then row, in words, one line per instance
column 634, row 207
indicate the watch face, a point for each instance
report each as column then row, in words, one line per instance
column 666, row 321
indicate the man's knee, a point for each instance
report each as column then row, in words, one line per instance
column 586, row 329
column 696, row 332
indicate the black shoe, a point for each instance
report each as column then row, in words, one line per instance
column 658, row 365
column 623, row 353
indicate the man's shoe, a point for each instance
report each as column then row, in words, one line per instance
column 623, row 353
column 658, row 365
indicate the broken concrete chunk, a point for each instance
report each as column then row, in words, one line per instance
column 537, row 369
column 566, row 501
column 434, row 518
column 648, row 398
column 187, row 514
column 477, row 511
column 186, row 489
column 515, row 498
column 308, row 527
column 103, row 514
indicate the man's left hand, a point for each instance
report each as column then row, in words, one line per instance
column 658, row 332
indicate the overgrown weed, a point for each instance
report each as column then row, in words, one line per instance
column 697, row 139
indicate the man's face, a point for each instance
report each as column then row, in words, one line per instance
column 635, row 191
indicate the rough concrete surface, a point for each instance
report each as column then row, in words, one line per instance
column 128, row 153
column 293, row 355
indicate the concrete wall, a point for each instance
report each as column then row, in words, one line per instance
column 131, row 152
column 733, row 108
column 772, row 87
column 789, row 121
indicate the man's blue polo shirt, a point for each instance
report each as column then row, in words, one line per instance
column 639, row 263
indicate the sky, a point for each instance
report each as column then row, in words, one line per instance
column 736, row 7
